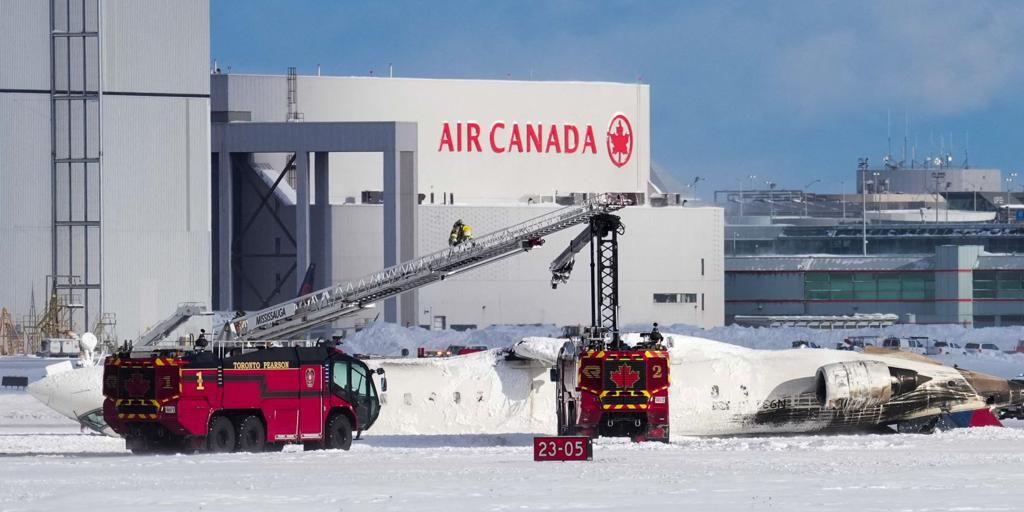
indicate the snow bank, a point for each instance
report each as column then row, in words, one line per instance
column 544, row 350
column 387, row 339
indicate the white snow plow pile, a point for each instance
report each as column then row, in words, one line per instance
column 717, row 389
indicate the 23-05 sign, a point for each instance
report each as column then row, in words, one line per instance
column 563, row 448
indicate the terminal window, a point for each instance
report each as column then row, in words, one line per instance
column 999, row 284
column 675, row 298
column 854, row 286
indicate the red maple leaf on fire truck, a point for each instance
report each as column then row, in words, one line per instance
column 625, row 377
column 137, row 385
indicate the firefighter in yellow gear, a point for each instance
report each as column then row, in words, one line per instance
column 460, row 233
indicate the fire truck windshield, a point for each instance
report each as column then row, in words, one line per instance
column 351, row 380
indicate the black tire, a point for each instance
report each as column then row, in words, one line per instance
column 273, row 447
column 138, row 445
column 220, row 438
column 339, row 433
column 251, row 436
column 151, row 444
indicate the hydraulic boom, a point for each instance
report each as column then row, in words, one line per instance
column 323, row 306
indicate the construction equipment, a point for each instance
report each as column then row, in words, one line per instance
column 105, row 331
column 296, row 316
column 10, row 339
column 603, row 386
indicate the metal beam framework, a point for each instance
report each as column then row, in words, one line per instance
column 604, row 257
column 75, row 93
column 232, row 142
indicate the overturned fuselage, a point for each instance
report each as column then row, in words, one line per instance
column 717, row 389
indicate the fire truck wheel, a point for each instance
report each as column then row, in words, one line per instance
column 251, row 435
column 221, row 436
column 339, row 433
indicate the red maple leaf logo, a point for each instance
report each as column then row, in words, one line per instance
column 625, row 377
column 137, row 385
column 620, row 140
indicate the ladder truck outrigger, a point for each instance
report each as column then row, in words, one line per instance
column 603, row 386
column 253, row 389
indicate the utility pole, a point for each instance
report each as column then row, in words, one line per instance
column 807, row 186
column 862, row 166
column 771, row 201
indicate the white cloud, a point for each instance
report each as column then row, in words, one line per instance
column 934, row 58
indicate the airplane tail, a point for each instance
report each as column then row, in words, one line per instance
column 307, row 282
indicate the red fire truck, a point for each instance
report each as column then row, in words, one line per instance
column 243, row 399
column 604, row 389
column 604, row 386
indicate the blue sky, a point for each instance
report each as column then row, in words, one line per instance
column 788, row 91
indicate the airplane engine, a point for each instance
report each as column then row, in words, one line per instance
column 862, row 384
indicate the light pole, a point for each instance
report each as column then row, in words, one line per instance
column 875, row 181
column 807, row 186
column 947, row 200
column 937, row 176
column 1009, row 185
column 694, row 186
column 771, row 201
column 842, row 196
column 741, row 192
column 862, row 165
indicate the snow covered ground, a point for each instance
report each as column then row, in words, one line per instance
column 47, row 463
column 51, row 466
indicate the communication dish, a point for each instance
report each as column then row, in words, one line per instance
column 88, row 342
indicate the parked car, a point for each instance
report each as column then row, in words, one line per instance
column 804, row 344
column 972, row 348
column 990, row 347
column 857, row 343
column 905, row 344
column 944, row 347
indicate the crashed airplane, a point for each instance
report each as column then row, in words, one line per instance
column 718, row 389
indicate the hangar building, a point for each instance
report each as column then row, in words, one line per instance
column 492, row 153
column 115, row 193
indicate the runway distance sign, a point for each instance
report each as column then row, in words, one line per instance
column 562, row 448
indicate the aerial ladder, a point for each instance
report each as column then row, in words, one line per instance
column 602, row 236
column 294, row 317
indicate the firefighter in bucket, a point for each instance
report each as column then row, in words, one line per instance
column 460, row 233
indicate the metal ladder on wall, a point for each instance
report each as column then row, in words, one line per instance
column 75, row 92
column 323, row 306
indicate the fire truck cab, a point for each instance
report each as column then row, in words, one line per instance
column 252, row 399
